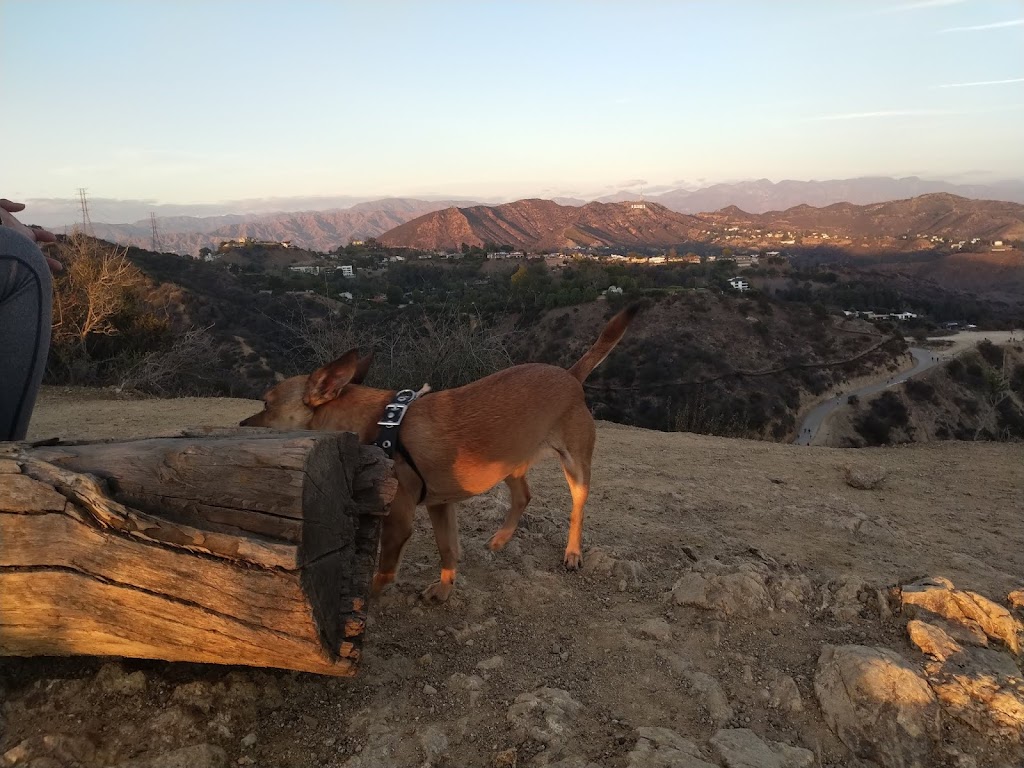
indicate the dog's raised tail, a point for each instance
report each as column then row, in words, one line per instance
column 610, row 336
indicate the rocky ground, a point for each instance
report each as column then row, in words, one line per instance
column 741, row 604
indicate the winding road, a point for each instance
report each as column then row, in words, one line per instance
column 924, row 359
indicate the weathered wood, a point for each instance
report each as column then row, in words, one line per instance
column 236, row 547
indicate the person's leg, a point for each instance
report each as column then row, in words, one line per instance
column 26, row 306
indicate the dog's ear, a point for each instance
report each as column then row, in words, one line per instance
column 325, row 384
column 362, row 368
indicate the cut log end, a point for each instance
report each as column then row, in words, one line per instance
column 233, row 548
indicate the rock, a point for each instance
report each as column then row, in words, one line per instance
column 938, row 596
column 507, row 758
column 433, row 741
column 172, row 725
column 783, row 694
column 429, row 690
column 790, row 592
column 878, row 705
column 489, row 665
column 657, row 629
column 545, row 715
column 867, row 479
column 470, row 683
column 983, row 688
column 1016, row 599
column 197, row 756
column 742, row 748
column 662, row 748
column 713, row 697
column 62, row 748
column 599, row 562
column 932, row 640
column 728, row 590
column 113, row 679
column 197, row 695
column 846, row 604
column 248, row 741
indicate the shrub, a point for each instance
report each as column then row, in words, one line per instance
column 920, row 391
column 990, row 353
column 886, row 413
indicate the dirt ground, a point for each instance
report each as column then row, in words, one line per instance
column 463, row 684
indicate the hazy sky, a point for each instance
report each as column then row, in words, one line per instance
column 179, row 101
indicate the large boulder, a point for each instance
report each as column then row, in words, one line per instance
column 742, row 748
column 937, row 596
column 878, row 705
column 662, row 748
column 982, row 687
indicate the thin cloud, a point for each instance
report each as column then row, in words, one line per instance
column 921, row 5
column 881, row 113
column 1008, row 81
column 983, row 27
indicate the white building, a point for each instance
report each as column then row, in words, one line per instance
column 739, row 284
column 348, row 271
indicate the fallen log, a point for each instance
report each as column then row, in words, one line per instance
column 235, row 547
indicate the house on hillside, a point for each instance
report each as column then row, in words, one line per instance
column 347, row 271
column 739, row 284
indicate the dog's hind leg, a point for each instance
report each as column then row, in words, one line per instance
column 395, row 532
column 446, row 532
column 576, row 451
column 519, row 491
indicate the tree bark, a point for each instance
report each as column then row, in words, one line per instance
column 228, row 547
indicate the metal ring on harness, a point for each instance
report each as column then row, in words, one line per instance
column 387, row 437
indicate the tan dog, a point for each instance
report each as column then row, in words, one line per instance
column 462, row 441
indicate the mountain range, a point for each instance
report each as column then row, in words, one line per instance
column 946, row 215
column 326, row 229
column 763, row 195
column 537, row 225
column 311, row 230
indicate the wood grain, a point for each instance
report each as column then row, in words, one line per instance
column 236, row 547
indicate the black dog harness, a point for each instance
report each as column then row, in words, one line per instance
column 388, row 439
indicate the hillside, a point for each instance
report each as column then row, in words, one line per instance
column 948, row 216
column 763, row 195
column 740, row 604
column 978, row 395
column 535, row 225
column 313, row 230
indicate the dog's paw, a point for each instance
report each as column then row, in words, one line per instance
column 437, row 593
column 380, row 581
column 498, row 541
column 573, row 561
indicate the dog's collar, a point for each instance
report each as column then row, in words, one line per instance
column 387, row 436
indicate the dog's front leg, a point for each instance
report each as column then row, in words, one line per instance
column 395, row 532
column 446, row 531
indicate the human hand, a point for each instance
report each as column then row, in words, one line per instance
column 37, row 235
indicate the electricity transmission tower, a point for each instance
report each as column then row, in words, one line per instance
column 156, row 233
column 86, row 221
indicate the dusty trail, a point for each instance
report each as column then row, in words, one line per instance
column 465, row 684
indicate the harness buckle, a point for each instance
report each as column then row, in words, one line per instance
column 395, row 411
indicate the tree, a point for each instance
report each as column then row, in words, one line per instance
column 394, row 294
column 95, row 285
